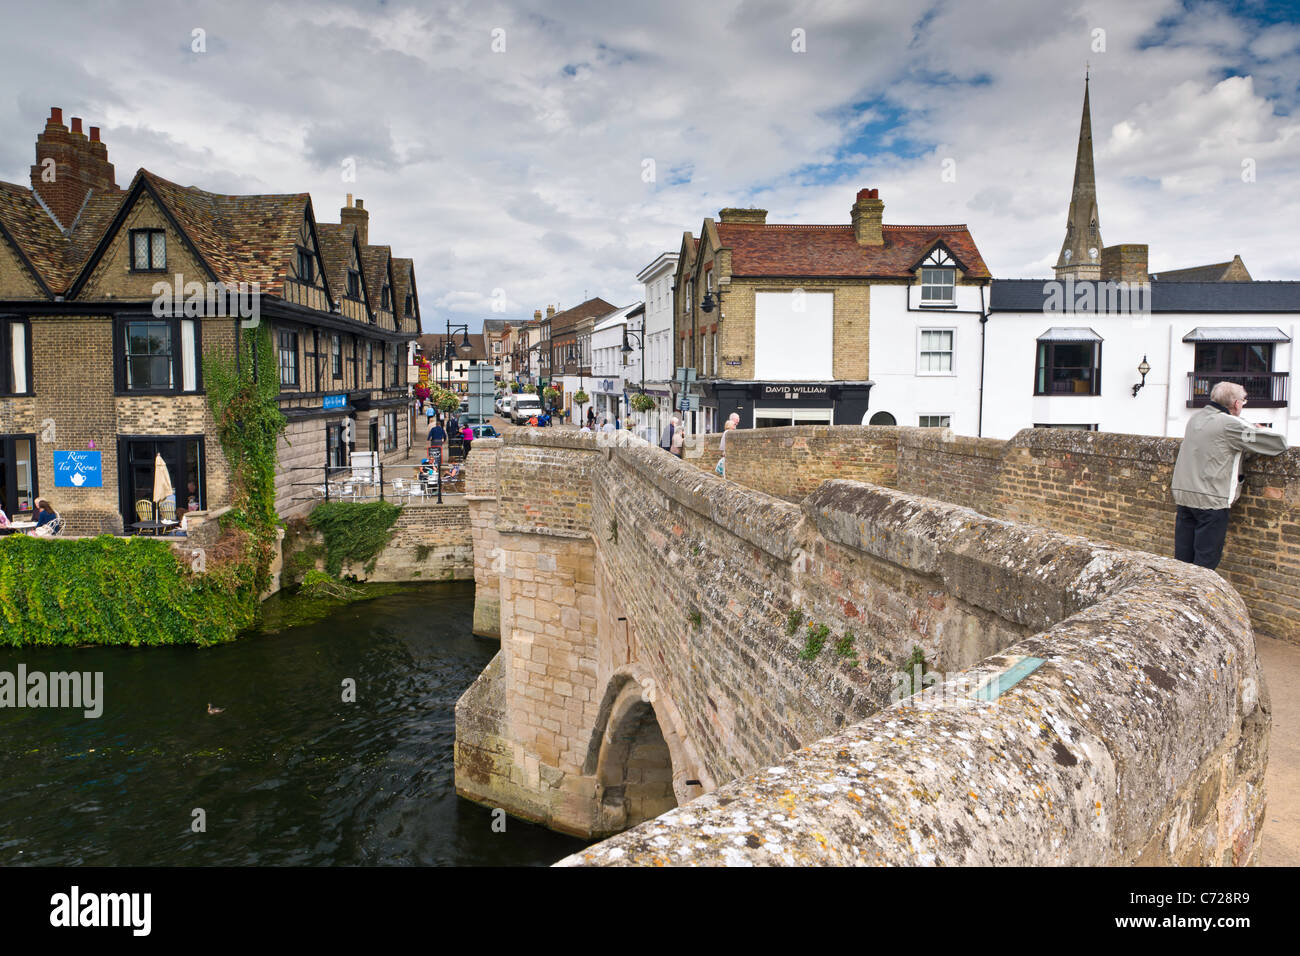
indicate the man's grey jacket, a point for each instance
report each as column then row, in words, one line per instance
column 1209, row 461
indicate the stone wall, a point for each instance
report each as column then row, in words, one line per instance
column 430, row 542
column 634, row 587
column 1112, row 488
column 1140, row 739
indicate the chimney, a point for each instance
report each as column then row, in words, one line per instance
column 357, row 215
column 867, row 214
column 69, row 166
column 537, row 315
column 1126, row 262
column 743, row 215
column 550, row 311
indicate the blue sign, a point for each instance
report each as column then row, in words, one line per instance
column 335, row 401
column 78, row 469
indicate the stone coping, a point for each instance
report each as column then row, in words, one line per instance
column 1079, row 763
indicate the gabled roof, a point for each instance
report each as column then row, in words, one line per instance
column 336, row 245
column 404, row 282
column 55, row 258
column 1234, row 270
column 770, row 249
column 374, row 263
column 242, row 238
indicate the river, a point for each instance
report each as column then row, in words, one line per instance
column 288, row 773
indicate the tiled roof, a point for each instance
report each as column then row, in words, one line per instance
column 335, row 246
column 1210, row 273
column 243, row 238
column 760, row 249
column 562, row 322
column 55, row 257
column 374, row 260
column 432, row 346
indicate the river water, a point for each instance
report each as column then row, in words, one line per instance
column 287, row 773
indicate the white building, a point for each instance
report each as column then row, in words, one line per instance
column 926, row 354
column 1051, row 364
column 657, row 329
column 607, row 368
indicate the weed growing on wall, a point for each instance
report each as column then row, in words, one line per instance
column 354, row 532
column 817, row 634
column 792, row 621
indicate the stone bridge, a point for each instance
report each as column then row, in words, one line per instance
column 670, row 637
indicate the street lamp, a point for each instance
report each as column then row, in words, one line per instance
column 627, row 349
column 1143, row 368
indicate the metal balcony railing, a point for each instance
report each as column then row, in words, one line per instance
column 1263, row 389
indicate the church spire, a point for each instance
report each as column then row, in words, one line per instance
column 1081, row 252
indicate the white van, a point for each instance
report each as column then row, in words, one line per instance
column 522, row 407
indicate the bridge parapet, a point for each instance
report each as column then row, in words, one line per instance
column 669, row 636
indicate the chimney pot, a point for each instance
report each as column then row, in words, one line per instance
column 56, row 115
column 94, row 134
column 76, row 124
column 360, row 204
column 349, row 203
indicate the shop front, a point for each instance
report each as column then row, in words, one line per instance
column 775, row 404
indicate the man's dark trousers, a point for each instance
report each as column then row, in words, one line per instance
column 1199, row 534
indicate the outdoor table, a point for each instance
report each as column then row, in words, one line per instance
column 154, row 526
column 18, row 527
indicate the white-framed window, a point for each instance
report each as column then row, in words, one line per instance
column 937, row 286
column 935, row 351
column 935, row 421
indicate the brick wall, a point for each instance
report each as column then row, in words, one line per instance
column 1109, row 487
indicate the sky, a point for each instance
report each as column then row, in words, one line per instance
column 529, row 154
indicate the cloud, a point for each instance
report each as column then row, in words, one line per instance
column 505, row 170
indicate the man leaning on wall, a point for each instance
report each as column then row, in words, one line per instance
column 1207, row 474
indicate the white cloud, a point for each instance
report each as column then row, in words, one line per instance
column 505, row 170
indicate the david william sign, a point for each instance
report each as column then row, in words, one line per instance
column 78, row 469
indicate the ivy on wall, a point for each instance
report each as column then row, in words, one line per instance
column 354, row 533
column 109, row 590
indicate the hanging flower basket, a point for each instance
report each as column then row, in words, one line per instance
column 642, row 402
column 580, row 397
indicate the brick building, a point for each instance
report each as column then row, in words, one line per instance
column 782, row 323
column 570, row 348
column 103, row 369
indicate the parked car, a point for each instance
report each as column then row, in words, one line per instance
column 484, row 431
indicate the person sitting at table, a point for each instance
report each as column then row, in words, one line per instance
column 4, row 519
column 44, row 512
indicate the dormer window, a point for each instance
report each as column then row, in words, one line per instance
column 410, row 299
column 148, row 250
column 354, row 284
column 383, row 298
column 938, row 278
column 306, row 266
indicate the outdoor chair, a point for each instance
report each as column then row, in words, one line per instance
column 167, row 511
column 144, row 510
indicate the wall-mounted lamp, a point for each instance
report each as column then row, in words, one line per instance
column 707, row 305
column 1142, row 370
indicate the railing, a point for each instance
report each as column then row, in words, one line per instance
column 366, row 483
column 1263, row 389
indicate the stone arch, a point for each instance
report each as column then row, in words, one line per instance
column 879, row 418
column 640, row 759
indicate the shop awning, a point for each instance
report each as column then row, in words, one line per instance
column 1063, row 334
column 1257, row 333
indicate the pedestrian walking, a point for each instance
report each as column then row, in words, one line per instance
column 678, row 440
column 1207, row 473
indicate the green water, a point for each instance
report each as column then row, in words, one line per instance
column 287, row 773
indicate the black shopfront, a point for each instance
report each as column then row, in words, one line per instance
column 773, row 404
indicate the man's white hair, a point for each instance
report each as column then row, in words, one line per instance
column 1225, row 393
